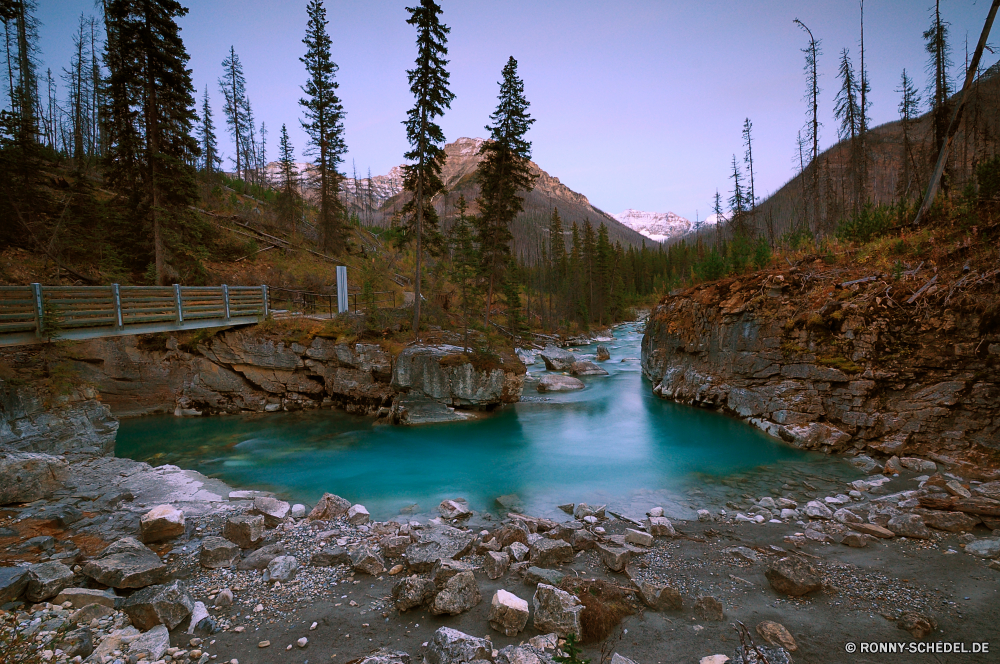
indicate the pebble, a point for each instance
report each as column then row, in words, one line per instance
column 313, row 626
column 263, row 644
column 302, row 643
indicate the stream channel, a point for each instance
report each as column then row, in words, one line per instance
column 612, row 443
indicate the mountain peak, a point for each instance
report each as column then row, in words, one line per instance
column 657, row 226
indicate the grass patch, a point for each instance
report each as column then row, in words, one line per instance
column 841, row 363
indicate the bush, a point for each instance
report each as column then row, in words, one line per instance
column 988, row 174
column 711, row 267
column 871, row 222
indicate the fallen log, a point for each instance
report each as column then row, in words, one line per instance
column 913, row 298
column 975, row 505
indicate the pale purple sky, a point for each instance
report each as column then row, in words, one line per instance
column 638, row 103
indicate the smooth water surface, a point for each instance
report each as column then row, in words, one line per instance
column 613, row 442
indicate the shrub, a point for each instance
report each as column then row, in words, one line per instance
column 988, row 174
column 870, row 222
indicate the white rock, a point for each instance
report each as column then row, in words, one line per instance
column 298, row 511
column 358, row 515
column 160, row 523
column 508, row 613
column 302, row 643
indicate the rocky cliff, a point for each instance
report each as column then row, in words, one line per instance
column 835, row 366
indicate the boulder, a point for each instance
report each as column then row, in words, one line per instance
column 329, row 556
column 27, row 476
column 358, row 515
column 909, row 525
column 952, row 522
column 454, row 509
column 582, row 540
column 917, row 624
column 772, row 655
column 126, row 564
column 329, row 508
column 518, row 551
column 855, row 540
column 660, row 597
column 437, row 543
column 167, row 604
column 508, row 613
column 638, row 537
column 13, row 581
column 412, row 592
column 46, row 580
column 583, row 368
column 984, row 548
column 584, row 510
column 559, row 383
column 525, row 654
column 246, row 531
column 281, row 568
column 153, row 644
column 259, row 559
column 817, row 510
column 367, row 560
column 91, row 612
column 450, row 646
column 385, row 656
column 395, row 546
column 535, row 575
column 459, row 594
column 298, row 511
column 956, row 488
column 777, row 635
column 546, row 552
column 660, row 526
column 602, row 353
column 917, row 466
column 614, row 557
column 496, row 564
column 793, row 577
column 556, row 611
column 218, row 552
column 557, row 359
column 202, row 621
column 844, row 515
column 509, row 534
column 224, row 598
column 81, row 597
column 709, row 608
column 160, row 523
column 273, row 510
column 78, row 643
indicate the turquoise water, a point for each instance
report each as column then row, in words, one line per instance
column 613, row 442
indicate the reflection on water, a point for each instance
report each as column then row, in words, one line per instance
column 613, row 442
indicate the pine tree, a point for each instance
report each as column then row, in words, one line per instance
column 557, row 248
column 748, row 160
column 812, row 52
column 847, row 109
column 589, row 261
column 909, row 110
column 207, row 138
column 148, row 123
column 465, row 268
column 737, row 201
column 429, row 85
column 503, row 174
column 233, row 86
column 288, row 180
column 602, row 274
column 325, row 125
column 939, row 86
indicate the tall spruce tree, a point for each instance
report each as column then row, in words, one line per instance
column 288, row 195
column 939, row 84
column 812, row 52
column 422, row 178
column 847, row 110
column 737, row 201
column 325, row 125
column 503, row 174
column 233, row 86
column 909, row 110
column 748, row 160
column 206, row 137
column 148, row 123
column 465, row 270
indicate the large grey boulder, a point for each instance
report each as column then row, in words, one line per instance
column 952, row 522
column 47, row 580
column 508, row 613
column 793, row 577
column 412, row 592
column 559, row 383
column 557, row 359
column 246, row 531
column 260, row 558
column 556, row 611
column 281, row 568
column 496, row 564
column 167, row 604
column 450, row 646
column 79, row 642
column 153, row 643
column 984, row 548
column 584, row 368
column 546, row 552
column 660, row 597
column 602, row 353
column 614, row 557
column 909, row 525
column 367, row 560
column 455, row 509
column 527, row 654
column 443, row 570
column 358, row 515
column 273, row 510
column 81, row 597
column 459, row 594
column 13, row 581
column 446, row 375
column 160, row 523
column 437, row 543
column 127, row 563
column 329, row 556
column 329, row 507
column 27, row 476
column 218, row 552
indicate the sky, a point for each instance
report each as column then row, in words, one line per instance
column 638, row 104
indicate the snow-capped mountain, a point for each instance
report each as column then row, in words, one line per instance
column 657, row 226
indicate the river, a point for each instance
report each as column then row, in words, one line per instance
column 611, row 443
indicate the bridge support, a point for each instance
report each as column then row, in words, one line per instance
column 342, row 304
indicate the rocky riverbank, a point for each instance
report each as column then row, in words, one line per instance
column 122, row 561
column 825, row 361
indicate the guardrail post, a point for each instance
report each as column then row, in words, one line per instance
column 36, row 291
column 342, row 303
column 180, row 303
column 117, row 296
column 225, row 298
column 263, row 292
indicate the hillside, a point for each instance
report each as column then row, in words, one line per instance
column 531, row 226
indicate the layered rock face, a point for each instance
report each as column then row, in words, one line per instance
column 837, row 376
column 33, row 421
